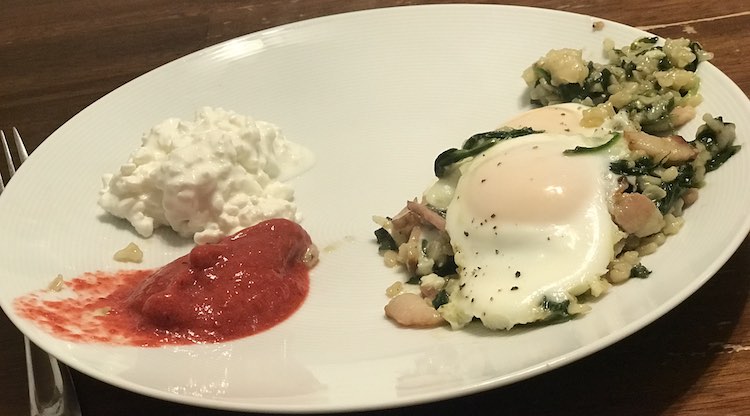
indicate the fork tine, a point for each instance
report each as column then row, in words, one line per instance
column 2, row 139
column 8, row 158
column 20, row 147
column 20, row 150
column 9, row 161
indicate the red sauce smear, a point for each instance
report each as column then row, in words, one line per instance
column 244, row 284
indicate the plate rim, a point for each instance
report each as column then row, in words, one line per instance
column 514, row 377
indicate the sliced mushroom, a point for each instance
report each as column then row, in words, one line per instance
column 681, row 115
column 636, row 214
column 672, row 150
column 411, row 310
column 427, row 214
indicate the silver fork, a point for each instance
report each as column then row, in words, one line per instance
column 51, row 389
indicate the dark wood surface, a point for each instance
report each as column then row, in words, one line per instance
column 57, row 57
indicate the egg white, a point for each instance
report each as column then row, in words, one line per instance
column 530, row 226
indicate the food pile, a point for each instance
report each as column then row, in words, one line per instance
column 217, row 180
column 207, row 178
column 525, row 222
column 654, row 85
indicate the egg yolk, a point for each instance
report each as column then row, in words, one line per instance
column 530, row 183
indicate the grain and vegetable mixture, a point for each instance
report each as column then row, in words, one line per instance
column 644, row 92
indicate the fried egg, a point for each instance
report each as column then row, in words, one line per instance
column 529, row 225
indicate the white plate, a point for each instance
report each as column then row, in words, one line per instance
column 376, row 95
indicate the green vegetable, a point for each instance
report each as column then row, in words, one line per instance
column 676, row 188
column 583, row 150
column 646, row 166
column 641, row 166
column 594, row 87
column 598, row 87
column 644, row 45
column 475, row 145
column 385, row 240
column 414, row 280
column 447, row 268
column 719, row 142
column 542, row 77
column 664, row 64
column 440, row 299
column 558, row 311
column 654, row 118
column 649, row 105
column 542, row 74
column 721, row 157
column 639, row 271
column 629, row 68
column 571, row 92
column 698, row 51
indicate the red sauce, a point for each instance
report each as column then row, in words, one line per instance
column 242, row 285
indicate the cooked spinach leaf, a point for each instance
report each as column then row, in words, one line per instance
column 475, row 145
column 571, row 92
column 697, row 50
column 641, row 166
column 440, row 299
column 385, row 240
column 639, row 271
column 447, row 268
column 664, row 64
column 558, row 311
column 718, row 138
column 582, row 150
column 676, row 188
column 721, row 157
column 414, row 280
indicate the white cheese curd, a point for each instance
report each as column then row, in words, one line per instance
column 207, row 178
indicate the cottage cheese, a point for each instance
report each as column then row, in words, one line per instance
column 207, row 178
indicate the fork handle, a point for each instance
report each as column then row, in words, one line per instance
column 51, row 389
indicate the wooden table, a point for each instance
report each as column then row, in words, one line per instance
column 58, row 57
